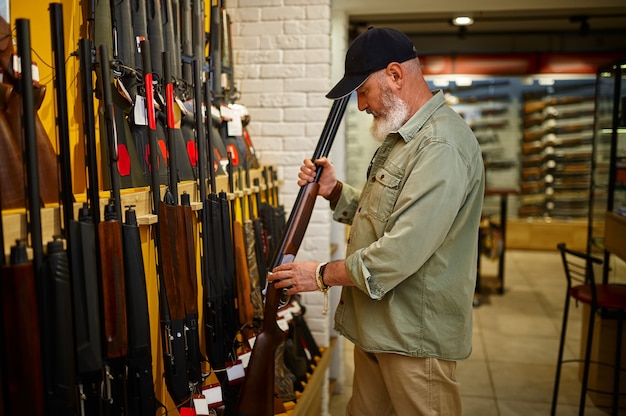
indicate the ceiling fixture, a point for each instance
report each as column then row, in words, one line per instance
column 464, row 20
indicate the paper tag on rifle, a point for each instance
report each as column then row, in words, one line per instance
column 283, row 324
column 213, row 395
column 295, row 308
column 200, row 405
column 285, row 314
column 17, row 68
column 235, row 372
column 187, row 411
column 251, row 341
column 233, row 118
column 245, row 358
column 181, row 105
column 140, row 113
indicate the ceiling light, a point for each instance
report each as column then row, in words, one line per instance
column 462, row 21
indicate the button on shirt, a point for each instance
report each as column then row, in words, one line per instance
column 413, row 243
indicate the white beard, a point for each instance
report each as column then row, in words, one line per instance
column 394, row 114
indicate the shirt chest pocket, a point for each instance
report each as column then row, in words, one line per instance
column 385, row 187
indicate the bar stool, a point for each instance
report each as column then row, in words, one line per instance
column 582, row 287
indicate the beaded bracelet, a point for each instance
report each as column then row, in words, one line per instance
column 319, row 277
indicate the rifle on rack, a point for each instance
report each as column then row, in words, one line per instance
column 261, row 244
column 257, row 393
column 253, row 231
column 84, row 254
column 58, row 321
column 219, row 309
column 170, row 306
column 21, row 282
column 177, row 242
column 553, row 128
column 533, row 106
column 113, row 285
column 140, row 388
column 551, row 140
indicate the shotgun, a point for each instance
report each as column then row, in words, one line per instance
column 213, row 286
column 260, row 235
column 21, row 282
column 113, row 280
column 170, row 306
column 84, row 254
column 257, row 393
column 178, row 236
column 62, row 397
column 140, row 394
column 533, row 106
column 553, row 141
column 219, row 311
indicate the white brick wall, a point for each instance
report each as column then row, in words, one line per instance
column 283, row 60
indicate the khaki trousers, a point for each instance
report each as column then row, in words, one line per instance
column 392, row 384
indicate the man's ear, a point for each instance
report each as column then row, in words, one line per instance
column 394, row 70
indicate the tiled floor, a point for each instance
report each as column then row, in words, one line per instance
column 511, row 370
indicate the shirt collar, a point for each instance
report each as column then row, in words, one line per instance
column 415, row 123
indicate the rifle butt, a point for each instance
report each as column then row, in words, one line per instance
column 113, row 289
column 141, row 396
column 86, row 299
column 59, row 334
column 256, row 397
column 25, row 393
column 176, row 363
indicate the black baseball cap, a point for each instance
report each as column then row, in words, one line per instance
column 371, row 51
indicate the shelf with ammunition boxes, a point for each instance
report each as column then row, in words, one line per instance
column 607, row 214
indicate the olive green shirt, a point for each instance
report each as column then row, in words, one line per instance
column 412, row 249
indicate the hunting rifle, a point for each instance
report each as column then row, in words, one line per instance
column 170, row 306
column 21, row 282
column 257, row 392
column 140, row 394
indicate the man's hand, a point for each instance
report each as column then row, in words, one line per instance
column 296, row 277
column 327, row 180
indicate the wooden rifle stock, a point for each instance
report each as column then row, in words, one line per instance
column 180, row 218
column 22, row 342
column 257, row 393
column 113, row 278
column 170, row 306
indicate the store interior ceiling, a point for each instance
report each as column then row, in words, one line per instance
column 522, row 30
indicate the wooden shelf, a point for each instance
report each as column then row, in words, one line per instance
column 310, row 402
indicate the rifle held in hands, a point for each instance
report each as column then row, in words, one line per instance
column 257, row 393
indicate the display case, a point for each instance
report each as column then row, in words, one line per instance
column 607, row 213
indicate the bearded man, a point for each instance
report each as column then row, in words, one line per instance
column 408, row 277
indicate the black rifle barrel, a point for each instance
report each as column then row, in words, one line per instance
column 93, row 193
column 60, row 81
column 30, row 141
column 110, row 128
